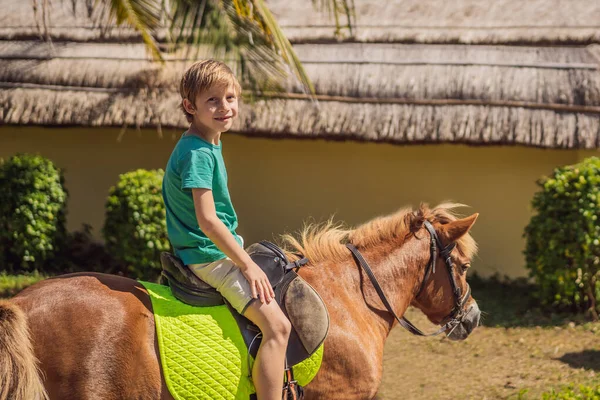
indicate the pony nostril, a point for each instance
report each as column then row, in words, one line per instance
column 476, row 317
column 470, row 320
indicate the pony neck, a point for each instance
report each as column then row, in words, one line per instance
column 359, row 322
column 347, row 290
column 397, row 271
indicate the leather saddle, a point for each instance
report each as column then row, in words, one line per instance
column 299, row 301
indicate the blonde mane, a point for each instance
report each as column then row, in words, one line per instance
column 320, row 242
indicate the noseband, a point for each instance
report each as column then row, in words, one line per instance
column 457, row 314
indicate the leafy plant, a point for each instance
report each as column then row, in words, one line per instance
column 563, row 239
column 135, row 228
column 32, row 212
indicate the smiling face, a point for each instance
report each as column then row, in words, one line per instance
column 214, row 110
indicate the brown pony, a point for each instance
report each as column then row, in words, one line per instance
column 94, row 334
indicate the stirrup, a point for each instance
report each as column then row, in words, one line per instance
column 291, row 390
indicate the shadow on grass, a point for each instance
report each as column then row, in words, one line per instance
column 510, row 303
column 588, row 359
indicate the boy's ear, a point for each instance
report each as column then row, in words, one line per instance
column 189, row 106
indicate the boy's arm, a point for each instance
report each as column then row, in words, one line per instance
column 216, row 231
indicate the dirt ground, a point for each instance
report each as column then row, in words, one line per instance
column 493, row 363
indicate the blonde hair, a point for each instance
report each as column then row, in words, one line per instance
column 203, row 75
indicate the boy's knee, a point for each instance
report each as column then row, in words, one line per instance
column 286, row 328
column 280, row 329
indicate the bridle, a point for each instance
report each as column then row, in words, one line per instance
column 457, row 314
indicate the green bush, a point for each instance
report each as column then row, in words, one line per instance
column 135, row 228
column 32, row 212
column 563, row 239
column 570, row 393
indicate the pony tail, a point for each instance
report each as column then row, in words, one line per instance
column 20, row 378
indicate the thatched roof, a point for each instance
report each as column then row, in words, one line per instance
column 453, row 21
column 387, row 90
column 552, row 22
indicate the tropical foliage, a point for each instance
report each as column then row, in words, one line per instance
column 243, row 32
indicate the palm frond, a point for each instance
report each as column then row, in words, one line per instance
column 246, row 32
column 338, row 9
column 265, row 55
column 142, row 15
column 241, row 32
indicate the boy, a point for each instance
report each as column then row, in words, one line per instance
column 201, row 221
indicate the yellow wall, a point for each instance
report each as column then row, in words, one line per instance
column 277, row 184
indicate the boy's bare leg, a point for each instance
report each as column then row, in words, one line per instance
column 267, row 372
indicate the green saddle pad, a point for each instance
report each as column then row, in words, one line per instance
column 202, row 352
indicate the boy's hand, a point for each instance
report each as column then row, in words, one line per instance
column 259, row 283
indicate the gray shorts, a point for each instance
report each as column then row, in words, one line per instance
column 228, row 279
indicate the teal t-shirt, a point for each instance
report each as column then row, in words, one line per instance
column 195, row 164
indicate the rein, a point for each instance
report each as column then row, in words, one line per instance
column 456, row 315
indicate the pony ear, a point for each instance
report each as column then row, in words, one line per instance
column 454, row 230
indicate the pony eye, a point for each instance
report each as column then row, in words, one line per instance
column 464, row 267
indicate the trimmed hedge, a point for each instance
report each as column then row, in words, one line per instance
column 32, row 212
column 563, row 239
column 135, row 228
